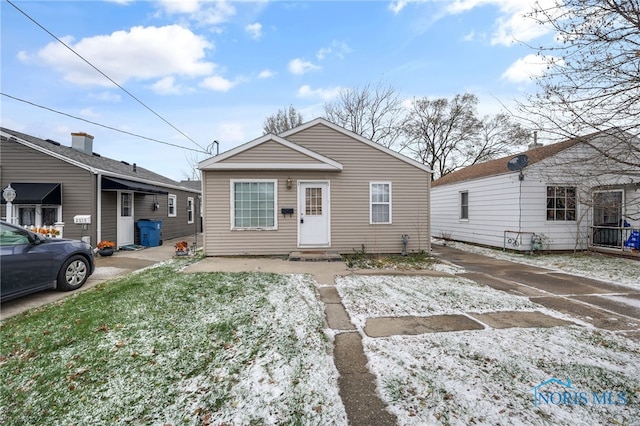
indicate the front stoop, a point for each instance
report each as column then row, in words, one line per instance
column 315, row 256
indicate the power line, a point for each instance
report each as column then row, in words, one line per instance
column 103, row 74
column 102, row 125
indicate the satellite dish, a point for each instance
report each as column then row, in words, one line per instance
column 518, row 163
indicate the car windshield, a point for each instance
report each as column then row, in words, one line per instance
column 11, row 236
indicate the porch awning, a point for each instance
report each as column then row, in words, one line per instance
column 117, row 184
column 36, row 193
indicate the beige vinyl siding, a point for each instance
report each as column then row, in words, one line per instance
column 349, row 204
column 22, row 164
column 271, row 152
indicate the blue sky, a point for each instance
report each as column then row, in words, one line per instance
column 216, row 70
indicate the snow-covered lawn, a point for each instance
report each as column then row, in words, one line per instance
column 162, row 347
column 166, row 348
column 487, row 376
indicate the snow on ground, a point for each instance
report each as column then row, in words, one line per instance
column 394, row 296
column 619, row 270
column 488, row 376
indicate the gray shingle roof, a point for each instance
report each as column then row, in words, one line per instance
column 98, row 162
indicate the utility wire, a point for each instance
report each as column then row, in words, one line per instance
column 104, row 75
column 103, row 125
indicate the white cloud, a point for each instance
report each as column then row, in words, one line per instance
column 266, row 74
column 201, row 11
column 510, row 25
column 182, row 6
column 337, row 48
column 299, row 66
column 140, row 53
column 89, row 113
column 325, row 94
column 167, row 86
column 254, row 30
column 397, row 5
column 524, row 69
column 217, row 83
column 106, row 97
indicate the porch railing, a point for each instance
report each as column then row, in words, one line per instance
column 615, row 237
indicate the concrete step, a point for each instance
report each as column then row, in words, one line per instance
column 315, row 256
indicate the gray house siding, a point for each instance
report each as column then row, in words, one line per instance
column 109, row 219
column 78, row 175
column 21, row 164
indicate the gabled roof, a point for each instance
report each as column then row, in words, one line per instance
column 499, row 166
column 357, row 137
column 321, row 162
column 90, row 162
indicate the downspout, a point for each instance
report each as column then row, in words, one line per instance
column 99, row 209
column 429, row 177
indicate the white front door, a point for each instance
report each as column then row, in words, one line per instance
column 313, row 214
column 125, row 219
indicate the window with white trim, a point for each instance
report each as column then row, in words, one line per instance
column 189, row 209
column 253, row 204
column 380, row 202
column 172, row 202
column 38, row 214
column 561, row 203
column 464, row 205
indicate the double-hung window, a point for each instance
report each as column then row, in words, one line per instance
column 561, row 203
column 171, row 205
column 464, row 205
column 189, row 209
column 379, row 202
column 254, row 204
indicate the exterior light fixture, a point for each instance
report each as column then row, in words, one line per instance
column 9, row 194
column 289, row 183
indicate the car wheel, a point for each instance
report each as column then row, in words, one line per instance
column 73, row 274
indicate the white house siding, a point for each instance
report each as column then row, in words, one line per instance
column 349, row 189
column 494, row 202
column 493, row 209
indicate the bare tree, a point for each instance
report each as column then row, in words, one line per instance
column 374, row 113
column 282, row 121
column 593, row 66
column 447, row 134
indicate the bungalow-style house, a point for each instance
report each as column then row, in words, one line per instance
column 86, row 196
column 316, row 187
column 573, row 195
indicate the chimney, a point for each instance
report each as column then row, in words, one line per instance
column 535, row 143
column 83, row 142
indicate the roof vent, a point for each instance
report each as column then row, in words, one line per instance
column 82, row 142
column 135, row 169
column 53, row 142
column 124, row 162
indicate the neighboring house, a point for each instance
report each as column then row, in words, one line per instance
column 57, row 183
column 314, row 187
column 570, row 195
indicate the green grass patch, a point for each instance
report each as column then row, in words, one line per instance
column 161, row 347
column 360, row 259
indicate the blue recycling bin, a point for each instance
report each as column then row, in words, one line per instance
column 150, row 231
